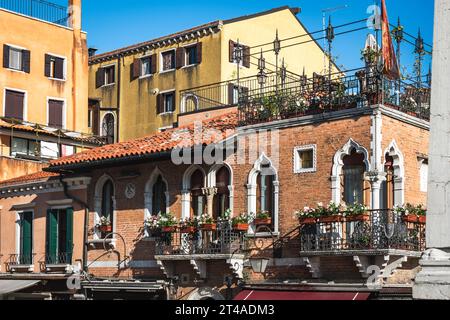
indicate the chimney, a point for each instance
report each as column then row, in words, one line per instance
column 92, row 51
column 75, row 14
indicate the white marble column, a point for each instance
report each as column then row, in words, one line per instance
column 433, row 282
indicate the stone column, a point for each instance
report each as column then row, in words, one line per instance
column 210, row 193
column 433, row 282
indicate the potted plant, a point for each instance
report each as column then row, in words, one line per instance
column 330, row 214
column 189, row 225
column 152, row 226
column 263, row 218
column 167, row 222
column 105, row 225
column 307, row 216
column 207, row 223
column 357, row 213
column 241, row 223
column 412, row 214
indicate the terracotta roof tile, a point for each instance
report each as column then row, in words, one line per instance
column 30, row 178
column 213, row 130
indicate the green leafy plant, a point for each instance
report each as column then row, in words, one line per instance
column 356, row 209
column 166, row 220
column 206, row 219
column 263, row 215
column 243, row 218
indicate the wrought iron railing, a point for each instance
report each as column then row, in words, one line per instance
column 223, row 240
column 64, row 258
column 379, row 229
column 20, row 260
column 39, row 9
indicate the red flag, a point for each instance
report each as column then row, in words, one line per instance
column 391, row 69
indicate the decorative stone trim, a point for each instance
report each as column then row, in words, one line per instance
column 297, row 169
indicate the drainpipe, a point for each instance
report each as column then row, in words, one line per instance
column 86, row 220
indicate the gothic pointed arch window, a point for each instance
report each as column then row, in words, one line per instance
column 222, row 198
column 159, row 196
column 354, row 186
column 108, row 128
column 198, row 201
column 107, row 204
column 265, row 193
column 388, row 186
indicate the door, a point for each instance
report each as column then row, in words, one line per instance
column 59, row 236
column 26, row 238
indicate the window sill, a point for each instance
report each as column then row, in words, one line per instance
column 167, row 71
column 263, row 235
column 190, row 66
column 146, row 76
column 166, row 113
column 300, row 171
column 15, row 70
column 56, row 79
column 108, row 85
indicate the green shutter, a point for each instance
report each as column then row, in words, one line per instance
column 69, row 235
column 26, row 237
column 52, row 236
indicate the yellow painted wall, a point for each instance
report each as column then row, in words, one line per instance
column 261, row 30
column 40, row 38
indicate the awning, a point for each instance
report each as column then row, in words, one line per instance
column 255, row 295
column 11, row 286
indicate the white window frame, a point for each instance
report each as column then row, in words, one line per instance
column 174, row 106
column 423, row 184
column 141, row 76
column 21, row 58
column 297, row 160
column 25, row 101
column 104, row 79
column 161, row 64
column 18, row 213
column 64, row 67
column 186, row 64
column 64, row 101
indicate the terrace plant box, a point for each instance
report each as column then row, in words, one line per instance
column 412, row 218
column 241, row 227
column 187, row 230
column 331, row 219
column 208, row 227
column 307, row 221
column 171, row 229
column 263, row 222
column 105, row 228
column 359, row 218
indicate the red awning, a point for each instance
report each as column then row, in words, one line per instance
column 255, row 295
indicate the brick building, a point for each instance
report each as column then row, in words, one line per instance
column 361, row 151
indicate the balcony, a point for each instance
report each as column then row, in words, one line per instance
column 38, row 9
column 200, row 247
column 19, row 263
column 59, row 263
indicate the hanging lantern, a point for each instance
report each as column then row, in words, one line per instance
column 261, row 62
column 330, row 31
column 261, row 78
column 277, row 44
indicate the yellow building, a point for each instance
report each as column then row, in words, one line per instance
column 140, row 89
column 43, row 87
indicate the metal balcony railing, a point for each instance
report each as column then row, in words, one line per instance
column 39, row 9
column 58, row 259
column 381, row 230
column 20, row 259
column 224, row 240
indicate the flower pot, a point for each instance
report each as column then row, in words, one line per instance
column 358, row 218
column 410, row 218
column 171, row 229
column 209, row 227
column 263, row 222
column 105, row 229
column 423, row 219
column 241, row 227
column 187, row 230
column 331, row 219
column 307, row 221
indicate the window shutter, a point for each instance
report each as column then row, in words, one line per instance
column 59, row 68
column 136, row 69
column 231, row 47
column 14, row 104
column 69, row 235
column 246, row 57
column 159, row 103
column 199, row 52
column 5, row 56
column 55, row 113
column 26, row 56
column 48, row 60
column 180, row 58
column 27, row 237
column 100, row 78
column 154, row 59
column 95, row 121
column 231, row 94
column 52, row 236
column 244, row 94
column 174, row 106
column 112, row 75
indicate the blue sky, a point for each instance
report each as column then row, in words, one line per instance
column 112, row 24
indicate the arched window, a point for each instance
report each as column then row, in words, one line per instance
column 190, row 103
column 388, row 186
column 198, row 201
column 108, row 128
column 159, row 197
column 222, row 198
column 265, row 193
column 107, row 208
column 353, row 178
